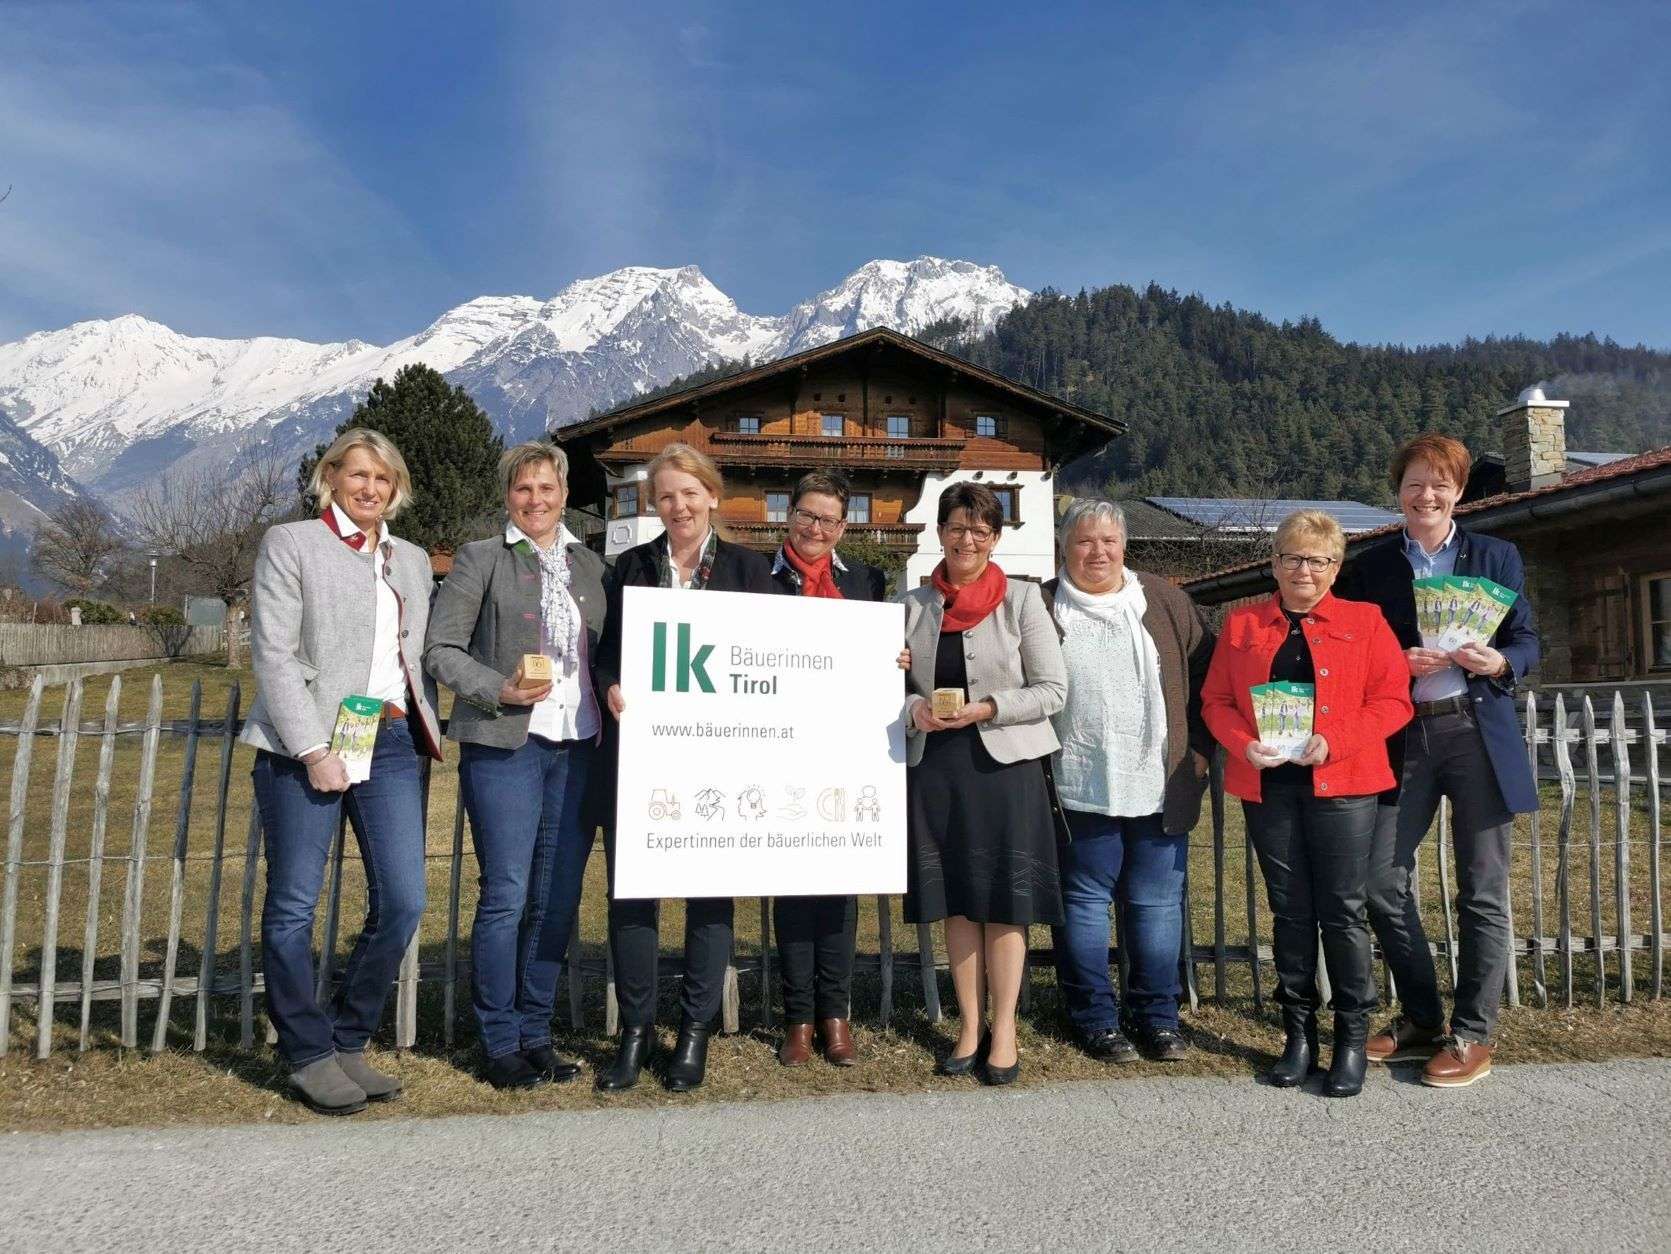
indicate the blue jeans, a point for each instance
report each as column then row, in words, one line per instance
column 300, row 826
column 1135, row 860
column 526, row 811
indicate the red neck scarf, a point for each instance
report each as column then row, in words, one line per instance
column 817, row 578
column 970, row 603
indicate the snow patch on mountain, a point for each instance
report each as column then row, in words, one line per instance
column 121, row 401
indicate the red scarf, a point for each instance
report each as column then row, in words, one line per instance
column 817, row 578
column 969, row 604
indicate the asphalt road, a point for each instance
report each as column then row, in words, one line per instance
column 1560, row 1157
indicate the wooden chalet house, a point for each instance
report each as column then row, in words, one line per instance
column 901, row 419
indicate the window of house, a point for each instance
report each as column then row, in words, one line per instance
column 1656, row 616
column 899, row 426
column 858, row 507
column 626, row 501
column 1009, row 499
column 777, row 507
column 748, row 424
column 832, row 425
column 991, row 426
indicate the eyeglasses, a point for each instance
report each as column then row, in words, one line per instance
column 810, row 520
column 980, row 535
column 1293, row 561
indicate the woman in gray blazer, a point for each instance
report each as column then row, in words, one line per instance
column 528, row 751
column 338, row 609
column 981, row 828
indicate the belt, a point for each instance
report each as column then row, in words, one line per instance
column 1445, row 705
column 392, row 711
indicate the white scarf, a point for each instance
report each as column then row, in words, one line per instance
column 1124, row 774
column 558, row 612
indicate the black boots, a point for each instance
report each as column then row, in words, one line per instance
column 630, row 1057
column 1299, row 1054
column 690, row 1058
column 1349, row 1060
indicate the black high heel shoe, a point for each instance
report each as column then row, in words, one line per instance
column 1001, row 1075
column 630, row 1057
column 965, row 1064
column 689, row 1064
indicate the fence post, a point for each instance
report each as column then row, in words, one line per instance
column 95, row 856
column 246, row 924
column 1540, row 974
column 1563, row 842
column 449, row 970
column 1445, row 901
column 135, row 894
column 931, row 981
column 1621, row 850
column 1592, row 774
column 885, row 959
column 1650, row 739
column 1215, row 778
column 69, row 731
column 14, row 855
column 177, row 886
column 211, row 924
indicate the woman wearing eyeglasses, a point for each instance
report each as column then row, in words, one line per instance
column 981, row 825
column 1312, row 818
column 815, row 934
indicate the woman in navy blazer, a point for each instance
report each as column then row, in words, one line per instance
column 685, row 487
column 1466, row 745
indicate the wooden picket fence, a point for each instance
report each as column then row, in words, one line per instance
column 1570, row 744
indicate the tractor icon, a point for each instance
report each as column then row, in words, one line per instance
column 663, row 805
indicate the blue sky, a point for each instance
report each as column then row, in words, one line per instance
column 1404, row 172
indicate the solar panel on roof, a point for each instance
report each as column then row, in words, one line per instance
column 1236, row 514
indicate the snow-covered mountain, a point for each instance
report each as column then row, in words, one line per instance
column 121, row 401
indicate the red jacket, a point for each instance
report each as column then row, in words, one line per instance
column 1363, row 692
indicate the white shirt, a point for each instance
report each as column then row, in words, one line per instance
column 674, row 579
column 1113, row 725
column 387, row 681
column 570, row 710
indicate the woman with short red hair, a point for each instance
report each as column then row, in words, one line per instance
column 1465, row 744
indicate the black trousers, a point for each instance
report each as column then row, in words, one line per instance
column 1444, row 756
column 1314, row 852
column 635, row 947
column 815, row 952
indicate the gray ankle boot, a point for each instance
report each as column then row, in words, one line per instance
column 378, row 1087
column 324, row 1087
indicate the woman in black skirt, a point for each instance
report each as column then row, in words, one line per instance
column 982, row 825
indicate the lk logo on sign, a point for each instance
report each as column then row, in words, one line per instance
column 687, row 665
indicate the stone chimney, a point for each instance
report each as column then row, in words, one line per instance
column 1534, row 440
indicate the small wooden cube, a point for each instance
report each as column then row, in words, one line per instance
column 534, row 671
column 947, row 702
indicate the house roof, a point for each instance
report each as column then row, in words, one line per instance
column 876, row 336
column 1147, row 521
column 1652, row 468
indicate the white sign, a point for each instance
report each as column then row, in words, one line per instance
column 762, row 752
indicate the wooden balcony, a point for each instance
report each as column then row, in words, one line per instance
column 766, row 536
column 847, row 451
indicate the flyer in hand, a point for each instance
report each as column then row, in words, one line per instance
column 355, row 736
column 1454, row 610
column 1282, row 713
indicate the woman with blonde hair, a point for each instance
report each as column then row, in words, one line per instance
column 1311, row 816
column 685, row 487
column 338, row 608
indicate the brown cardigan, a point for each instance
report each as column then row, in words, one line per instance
column 1185, row 645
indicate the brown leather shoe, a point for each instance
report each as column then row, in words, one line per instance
column 1458, row 1064
column 1403, row 1041
column 839, row 1050
column 796, row 1050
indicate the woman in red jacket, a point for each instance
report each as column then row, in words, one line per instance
column 1311, row 810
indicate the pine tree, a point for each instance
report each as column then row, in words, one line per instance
column 450, row 447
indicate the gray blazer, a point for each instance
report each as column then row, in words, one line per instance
column 313, row 612
column 1014, row 660
column 486, row 616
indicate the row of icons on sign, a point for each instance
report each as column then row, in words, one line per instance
column 831, row 804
